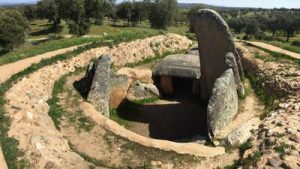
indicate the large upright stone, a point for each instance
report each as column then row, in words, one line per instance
column 99, row 91
column 215, row 41
column 223, row 104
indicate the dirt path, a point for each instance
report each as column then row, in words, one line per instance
column 10, row 69
column 275, row 49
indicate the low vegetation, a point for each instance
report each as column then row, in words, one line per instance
column 286, row 45
column 249, row 161
column 275, row 55
column 264, row 96
column 56, row 112
column 29, row 51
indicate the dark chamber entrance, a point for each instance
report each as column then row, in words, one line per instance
column 181, row 116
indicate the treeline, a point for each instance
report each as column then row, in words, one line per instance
column 81, row 14
column 260, row 23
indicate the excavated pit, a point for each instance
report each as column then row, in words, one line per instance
column 179, row 117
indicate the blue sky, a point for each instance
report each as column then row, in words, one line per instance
column 228, row 3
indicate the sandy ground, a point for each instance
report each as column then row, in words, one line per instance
column 2, row 160
column 13, row 68
column 275, row 49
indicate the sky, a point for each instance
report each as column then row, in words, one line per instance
column 227, row 3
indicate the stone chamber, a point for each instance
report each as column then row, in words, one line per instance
column 185, row 98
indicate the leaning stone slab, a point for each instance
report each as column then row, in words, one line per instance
column 178, row 65
column 119, row 85
column 223, row 104
column 99, row 92
column 243, row 133
column 215, row 41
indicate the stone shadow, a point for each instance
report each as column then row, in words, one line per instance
column 179, row 118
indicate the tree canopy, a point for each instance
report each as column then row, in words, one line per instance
column 14, row 28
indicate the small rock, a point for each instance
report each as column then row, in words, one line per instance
column 49, row 165
column 30, row 115
column 290, row 131
column 16, row 108
column 295, row 138
column 275, row 162
column 156, row 163
column 216, row 143
column 261, row 135
column 271, row 141
column 270, row 133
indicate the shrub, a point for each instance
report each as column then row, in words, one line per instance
column 296, row 43
column 162, row 13
column 13, row 29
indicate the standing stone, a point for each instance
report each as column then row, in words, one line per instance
column 119, row 85
column 215, row 41
column 223, row 104
column 166, row 85
column 99, row 92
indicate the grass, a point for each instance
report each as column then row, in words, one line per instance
column 281, row 148
column 129, row 109
column 12, row 154
column 56, row 112
column 285, row 45
column 40, row 29
column 113, row 115
column 277, row 57
column 265, row 97
column 29, row 51
column 245, row 146
column 152, row 59
column 96, row 162
column 146, row 100
column 247, row 88
column 251, row 160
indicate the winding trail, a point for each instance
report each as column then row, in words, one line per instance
column 10, row 69
column 275, row 49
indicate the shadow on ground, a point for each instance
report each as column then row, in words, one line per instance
column 181, row 117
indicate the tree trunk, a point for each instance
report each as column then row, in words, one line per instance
column 288, row 37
